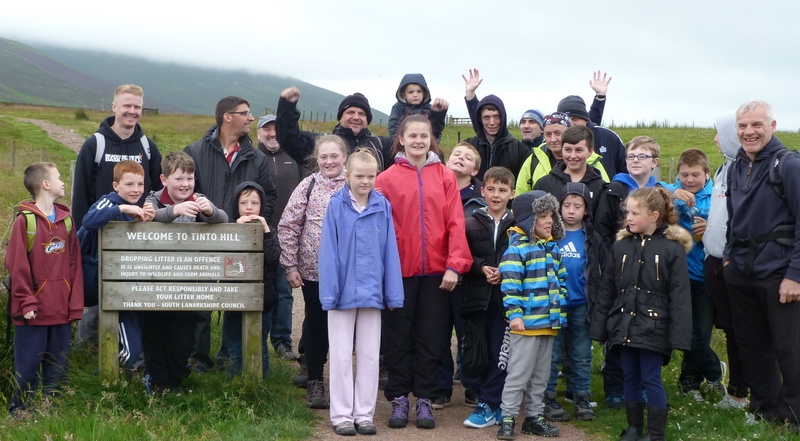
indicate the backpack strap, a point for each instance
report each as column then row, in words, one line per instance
column 101, row 147
column 310, row 189
column 777, row 164
column 30, row 226
column 783, row 234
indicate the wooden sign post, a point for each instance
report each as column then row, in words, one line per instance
column 180, row 267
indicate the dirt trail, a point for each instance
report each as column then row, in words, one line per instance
column 449, row 421
column 58, row 133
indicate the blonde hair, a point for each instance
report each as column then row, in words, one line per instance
column 656, row 199
column 312, row 160
column 644, row 142
column 128, row 88
column 472, row 149
column 363, row 155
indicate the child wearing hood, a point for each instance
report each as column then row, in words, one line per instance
column 168, row 336
column 534, row 296
column 414, row 98
column 249, row 199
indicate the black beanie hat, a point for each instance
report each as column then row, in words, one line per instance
column 574, row 105
column 355, row 100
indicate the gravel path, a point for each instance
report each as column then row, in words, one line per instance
column 448, row 420
column 58, row 133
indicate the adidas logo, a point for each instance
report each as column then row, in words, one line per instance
column 570, row 251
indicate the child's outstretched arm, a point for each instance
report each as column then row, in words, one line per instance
column 101, row 213
column 459, row 258
column 438, row 114
column 291, row 139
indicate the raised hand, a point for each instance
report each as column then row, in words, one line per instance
column 599, row 84
column 440, row 105
column 291, row 94
column 471, row 84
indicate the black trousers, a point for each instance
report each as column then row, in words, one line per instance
column 315, row 331
column 167, row 341
column 768, row 333
column 415, row 335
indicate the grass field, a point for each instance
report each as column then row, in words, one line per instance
column 217, row 409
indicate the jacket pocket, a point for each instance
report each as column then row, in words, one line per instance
column 653, row 321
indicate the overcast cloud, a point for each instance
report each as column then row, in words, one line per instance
column 681, row 61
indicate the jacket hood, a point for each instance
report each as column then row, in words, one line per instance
column 529, row 205
column 728, row 137
column 631, row 183
column 497, row 102
column 671, row 232
column 414, row 78
column 234, row 209
column 433, row 158
column 108, row 132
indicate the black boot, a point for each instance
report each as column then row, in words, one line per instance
column 635, row 414
column 656, row 424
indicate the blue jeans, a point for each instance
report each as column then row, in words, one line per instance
column 233, row 326
column 580, row 351
column 701, row 362
column 280, row 333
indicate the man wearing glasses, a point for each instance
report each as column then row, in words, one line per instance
column 224, row 158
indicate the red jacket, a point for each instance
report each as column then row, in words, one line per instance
column 56, row 261
column 429, row 229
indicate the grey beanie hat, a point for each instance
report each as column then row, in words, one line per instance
column 574, row 105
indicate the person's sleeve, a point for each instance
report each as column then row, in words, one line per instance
column 19, row 268
column 394, row 120
column 270, row 192
column 607, row 217
column 99, row 215
column 329, row 289
column 605, row 298
column 726, row 251
column 76, row 275
column 163, row 214
column 472, row 107
column 791, row 185
column 392, row 273
column 596, row 111
column 155, row 167
column 82, row 181
column 621, row 165
column 218, row 216
column 296, row 143
column 437, row 122
column 291, row 226
column 512, row 273
column 524, row 176
column 272, row 251
column 459, row 259
column 192, row 150
column 680, row 303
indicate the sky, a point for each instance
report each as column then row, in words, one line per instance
column 684, row 62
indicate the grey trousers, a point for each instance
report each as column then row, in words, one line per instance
column 528, row 373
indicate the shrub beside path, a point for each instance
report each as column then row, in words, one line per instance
column 449, row 421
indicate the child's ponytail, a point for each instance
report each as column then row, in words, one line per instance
column 668, row 215
column 657, row 199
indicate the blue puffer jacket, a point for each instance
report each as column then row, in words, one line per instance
column 359, row 265
column 686, row 217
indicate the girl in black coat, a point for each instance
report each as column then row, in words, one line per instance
column 644, row 304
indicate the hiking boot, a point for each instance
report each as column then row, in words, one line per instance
column 399, row 417
column 345, row 429
column 506, row 430
column 552, row 410
column 539, row 426
column 316, row 395
column 481, row 417
column 471, row 396
column 366, row 428
column 285, row 352
column 424, row 414
column 583, row 410
column 301, row 379
column 568, row 398
column 445, row 395
column 656, row 423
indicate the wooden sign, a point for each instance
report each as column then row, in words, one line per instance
column 138, row 265
column 163, row 296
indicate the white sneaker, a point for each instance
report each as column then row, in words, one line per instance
column 728, row 403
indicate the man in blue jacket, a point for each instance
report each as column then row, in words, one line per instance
column 762, row 266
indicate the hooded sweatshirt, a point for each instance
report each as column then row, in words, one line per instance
column 402, row 109
column 686, row 216
column 56, row 262
column 714, row 238
column 506, row 151
column 88, row 186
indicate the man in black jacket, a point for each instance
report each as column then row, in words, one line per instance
column 224, row 158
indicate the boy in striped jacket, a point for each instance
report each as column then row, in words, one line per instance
column 534, row 296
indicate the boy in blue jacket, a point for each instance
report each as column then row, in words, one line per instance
column 119, row 205
column 692, row 201
column 534, row 290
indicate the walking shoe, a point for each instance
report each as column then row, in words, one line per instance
column 424, row 414
column 345, row 429
column 568, row 398
column 615, row 403
column 481, row 417
column 695, row 395
column 457, row 376
column 316, row 395
column 583, row 410
column 715, row 387
column 552, row 410
column 506, row 430
column 399, row 417
column 285, row 351
column 301, row 379
column 728, row 403
column 445, row 395
column 366, row 428
column 538, row 425
column 471, row 396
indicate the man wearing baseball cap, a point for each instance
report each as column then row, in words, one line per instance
column 354, row 115
column 607, row 143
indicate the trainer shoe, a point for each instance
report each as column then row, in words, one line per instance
column 471, row 396
column 583, row 410
column 366, row 428
column 506, row 430
column 552, row 410
column 315, row 398
column 715, row 387
column 538, row 425
column 424, row 414
column 445, row 395
column 695, row 395
column 615, row 403
column 728, row 403
column 345, row 429
column 568, row 398
column 285, row 351
column 399, row 417
column 481, row 417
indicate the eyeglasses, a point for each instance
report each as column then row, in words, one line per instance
column 244, row 113
column 640, row 157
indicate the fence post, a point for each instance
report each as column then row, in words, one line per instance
column 13, row 154
column 448, row 140
column 381, row 123
column 459, row 136
column 671, row 169
column 304, row 115
column 324, row 117
column 41, row 159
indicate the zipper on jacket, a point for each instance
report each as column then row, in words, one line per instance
column 658, row 276
column 749, row 169
column 622, row 270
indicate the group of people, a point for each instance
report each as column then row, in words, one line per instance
column 530, row 248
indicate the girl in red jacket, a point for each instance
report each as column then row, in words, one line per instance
column 429, row 225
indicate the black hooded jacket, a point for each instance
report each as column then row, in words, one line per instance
column 401, row 108
column 507, row 151
column 554, row 183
